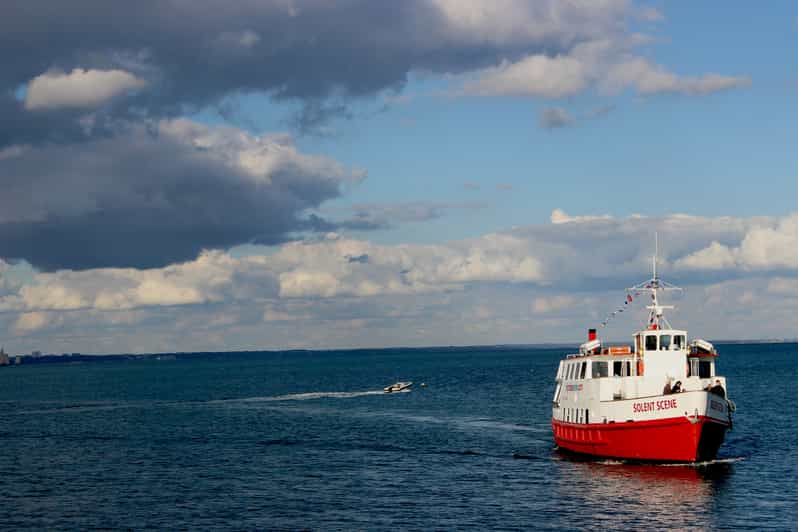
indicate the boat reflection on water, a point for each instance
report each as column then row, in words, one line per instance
column 644, row 495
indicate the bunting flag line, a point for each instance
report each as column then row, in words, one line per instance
column 628, row 300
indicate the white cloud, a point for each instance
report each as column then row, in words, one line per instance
column 30, row 321
column 546, row 305
column 766, row 245
column 80, row 88
column 559, row 216
column 536, row 75
column 780, row 285
column 773, row 246
column 519, row 22
column 608, row 63
column 650, row 79
column 519, row 279
column 716, row 256
column 260, row 157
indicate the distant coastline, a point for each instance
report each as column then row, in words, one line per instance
column 76, row 358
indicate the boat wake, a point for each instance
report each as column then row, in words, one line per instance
column 315, row 395
column 717, row 461
column 305, row 396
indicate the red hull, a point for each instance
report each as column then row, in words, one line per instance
column 665, row 440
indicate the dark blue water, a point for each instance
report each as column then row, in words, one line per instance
column 298, row 440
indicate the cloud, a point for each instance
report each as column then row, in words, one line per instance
column 547, row 305
column 79, row 88
column 559, row 216
column 387, row 215
column 573, row 251
column 608, row 63
column 30, row 321
column 525, row 283
column 714, row 257
column 156, row 195
column 650, row 79
column 767, row 245
column 557, row 117
column 195, row 54
column 536, row 75
column 554, row 117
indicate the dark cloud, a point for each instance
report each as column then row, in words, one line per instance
column 148, row 199
column 86, row 192
column 195, row 53
column 385, row 216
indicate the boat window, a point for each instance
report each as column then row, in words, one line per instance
column 628, row 366
column 693, row 367
column 665, row 342
column 584, row 369
column 599, row 369
column 651, row 342
column 617, row 368
column 704, row 369
column 678, row 341
column 570, row 371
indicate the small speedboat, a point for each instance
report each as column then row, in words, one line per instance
column 398, row 387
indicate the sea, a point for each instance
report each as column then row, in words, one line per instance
column 307, row 440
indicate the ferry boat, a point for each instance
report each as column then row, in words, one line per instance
column 659, row 399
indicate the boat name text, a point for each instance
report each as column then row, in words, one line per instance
column 651, row 406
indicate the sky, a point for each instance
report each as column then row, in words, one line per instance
column 272, row 174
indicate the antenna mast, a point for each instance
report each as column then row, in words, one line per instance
column 656, row 319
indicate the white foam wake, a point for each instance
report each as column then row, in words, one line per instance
column 315, row 395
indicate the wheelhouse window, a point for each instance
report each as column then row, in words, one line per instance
column 584, row 369
column 704, row 369
column 664, row 342
column 678, row 341
column 651, row 342
column 599, row 369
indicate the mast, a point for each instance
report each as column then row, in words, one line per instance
column 656, row 319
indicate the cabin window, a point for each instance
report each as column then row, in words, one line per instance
column 664, row 342
column 693, row 367
column 678, row 341
column 651, row 342
column 704, row 369
column 628, row 367
column 584, row 369
column 570, row 371
column 617, row 368
column 599, row 369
